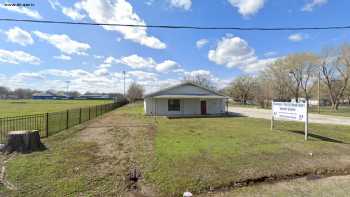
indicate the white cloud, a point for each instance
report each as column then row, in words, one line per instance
column 232, row 52
column 137, row 62
column 200, row 43
column 64, row 43
column 17, row 57
column 235, row 52
column 270, row 54
column 21, row 10
column 62, row 57
column 105, row 66
column 19, row 36
column 71, row 12
column 259, row 65
column 167, row 65
column 98, row 57
column 101, row 72
column 247, row 7
column 309, row 7
column 134, row 61
column 141, row 75
column 28, row 76
column 297, row 37
column 121, row 11
column 184, row 4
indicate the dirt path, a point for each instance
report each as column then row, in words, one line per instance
column 313, row 118
column 122, row 144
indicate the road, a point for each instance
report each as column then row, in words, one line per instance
column 313, row 118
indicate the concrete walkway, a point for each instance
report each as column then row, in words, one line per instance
column 313, row 118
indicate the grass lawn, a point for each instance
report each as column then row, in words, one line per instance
column 328, row 186
column 25, row 107
column 185, row 154
column 87, row 160
column 324, row 110
column 202, row 153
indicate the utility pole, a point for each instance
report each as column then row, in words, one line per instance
column 67, row 87
column 318, row 91
column 124, row 82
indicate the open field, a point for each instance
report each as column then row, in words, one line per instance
column 175, row 155
column 25, row 107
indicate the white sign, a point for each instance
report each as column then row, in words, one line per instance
column 289, row 111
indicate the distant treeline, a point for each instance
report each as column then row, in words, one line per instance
column 25, row 93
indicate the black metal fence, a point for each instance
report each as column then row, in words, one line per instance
column 51, row 123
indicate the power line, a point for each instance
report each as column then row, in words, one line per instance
column 181, row 26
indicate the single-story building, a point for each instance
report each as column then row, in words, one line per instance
column 183, row 100
column 95, row 97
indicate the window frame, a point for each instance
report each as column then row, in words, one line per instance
column 174, row 107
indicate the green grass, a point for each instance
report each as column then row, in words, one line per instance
column 202, row 153
column 188, row 154
column 25, row 107
column 75, row 166
column 54, row 172
column 329, row 186
column 324, row 110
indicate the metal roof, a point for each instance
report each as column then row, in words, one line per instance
column 190, row 96
column 154, row 94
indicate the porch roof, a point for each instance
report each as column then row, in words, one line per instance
column 190, row 96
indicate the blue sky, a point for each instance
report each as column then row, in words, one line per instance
column 92, row 58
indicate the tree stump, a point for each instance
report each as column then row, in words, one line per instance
column 23, row 142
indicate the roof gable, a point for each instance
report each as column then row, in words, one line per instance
column 185, row 89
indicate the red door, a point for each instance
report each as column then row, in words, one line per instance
column 203, row 107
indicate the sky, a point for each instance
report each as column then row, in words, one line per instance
column 93, row 58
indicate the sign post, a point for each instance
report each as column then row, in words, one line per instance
column 292, row 112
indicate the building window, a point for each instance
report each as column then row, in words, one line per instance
column 174, row 105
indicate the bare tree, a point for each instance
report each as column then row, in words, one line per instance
column 135, row 91
column 302, row 68
column 264, row 90
column 335, row 66
column 200, row 79
column 281, row 84
column 242, row 88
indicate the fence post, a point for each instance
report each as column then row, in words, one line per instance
column 96, row 110
column 80, row 116
column 89, row 112
column 47, row 125
column 67, row 126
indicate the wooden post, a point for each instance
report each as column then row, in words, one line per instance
column 80, row 116
column 89, row 112
column 47, row 125
column 272, row 122
column 96, row 111
column 67, row 126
